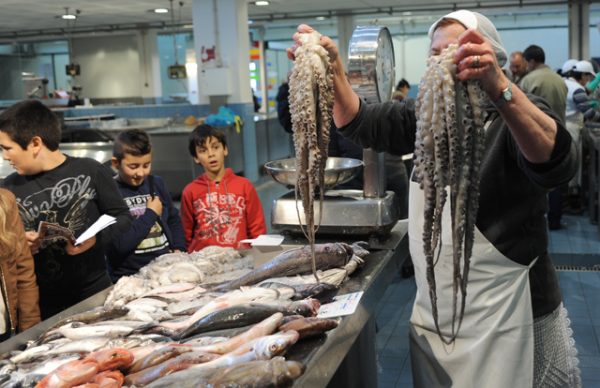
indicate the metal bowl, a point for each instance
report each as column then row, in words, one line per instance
column 337, row 171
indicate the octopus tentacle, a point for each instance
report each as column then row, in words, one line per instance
column 311, row 105
column 448, row 153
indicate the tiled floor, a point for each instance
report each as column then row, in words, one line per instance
column 575, row 249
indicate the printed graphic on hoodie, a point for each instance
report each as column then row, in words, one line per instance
column 218, row 216
column 156, row 239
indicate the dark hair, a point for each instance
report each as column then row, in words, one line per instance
column 402, row 84
column 135, row 142
column 201, row 134
column 536, row 53
column 29, row 118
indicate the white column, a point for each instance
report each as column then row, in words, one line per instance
column 579, row 34
column 150, row 80
column 345, row 27
column 222, row 45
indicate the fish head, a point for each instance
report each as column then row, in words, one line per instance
column 308, row 307
column 114, row 358
column 276, row 344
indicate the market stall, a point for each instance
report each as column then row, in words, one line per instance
column 348, row 349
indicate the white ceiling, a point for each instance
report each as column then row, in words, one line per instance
column 26, row 18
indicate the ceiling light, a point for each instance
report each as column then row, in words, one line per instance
column 261, row 3
column 319, row 18
column 161, row 10
column 68, row 16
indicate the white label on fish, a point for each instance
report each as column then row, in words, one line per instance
column 342, row 305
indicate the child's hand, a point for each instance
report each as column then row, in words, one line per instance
column 77, row 249
column 33, row 240
column 155, row 205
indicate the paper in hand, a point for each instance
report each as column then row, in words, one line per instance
column 104, row 221
column 50, row 231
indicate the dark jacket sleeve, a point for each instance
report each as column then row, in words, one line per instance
column 389, row 127
column 124, row 244
column 176, row 238
column 562, row 165
column 111, row 202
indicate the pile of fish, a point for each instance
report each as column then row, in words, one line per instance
column 199, row 267
column 190, row 334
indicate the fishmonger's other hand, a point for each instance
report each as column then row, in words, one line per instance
column 77, row 249
column 33, row 240
column 475, row 59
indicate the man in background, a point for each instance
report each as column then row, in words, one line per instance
column 518, row 66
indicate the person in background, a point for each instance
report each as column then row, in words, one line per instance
column 19, row 304
column 580, row 108
column 283, row 106
column 542, row 81
column 218, row 207
column 156, row 228
column 59, row 189
column 402, row 89
column 547, row 84
column 518, row 66
column 513, row 314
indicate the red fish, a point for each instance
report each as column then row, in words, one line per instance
column 115, row 358
column 70, row 374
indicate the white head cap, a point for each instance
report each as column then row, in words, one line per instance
column 480, row 23
column 568, row 65
column 584, row 67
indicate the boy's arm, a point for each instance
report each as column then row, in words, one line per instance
column 255, row 218
column 123, row 244
column 173, row 222
column 187, row 216
column 110, row 202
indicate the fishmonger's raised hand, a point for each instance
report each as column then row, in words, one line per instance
column 346, row 101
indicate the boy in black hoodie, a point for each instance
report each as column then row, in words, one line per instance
column 156, row 228
column 59, row 189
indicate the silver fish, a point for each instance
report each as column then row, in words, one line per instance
column 298, row 260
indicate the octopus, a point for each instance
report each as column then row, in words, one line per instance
column 311, row 105
column 448, row 153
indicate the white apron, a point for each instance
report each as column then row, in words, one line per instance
column 495, row 344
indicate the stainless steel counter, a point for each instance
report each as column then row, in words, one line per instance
column 346, row 356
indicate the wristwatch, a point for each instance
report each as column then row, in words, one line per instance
column 505, row 96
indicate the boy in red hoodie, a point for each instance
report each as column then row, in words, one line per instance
column 218, row 207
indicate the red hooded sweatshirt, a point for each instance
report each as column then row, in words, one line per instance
column 220, row 213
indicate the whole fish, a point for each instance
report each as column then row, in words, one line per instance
column 181, row 362
column 309, row 326
column 70, row 374
column 240, row 315
column 115, row 358
column 261, row 329
column 94, row 315
column 262, row 348
column 229, row 299
column 276, row 372
column 76, row 331
column 158, row 356
column 297, row 261
column 109, row 379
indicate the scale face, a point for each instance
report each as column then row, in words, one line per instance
column 354, row 212
column 371, row 63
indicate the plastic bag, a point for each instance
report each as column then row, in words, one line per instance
column 225, row 117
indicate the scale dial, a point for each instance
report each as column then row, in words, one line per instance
column 371, row 63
